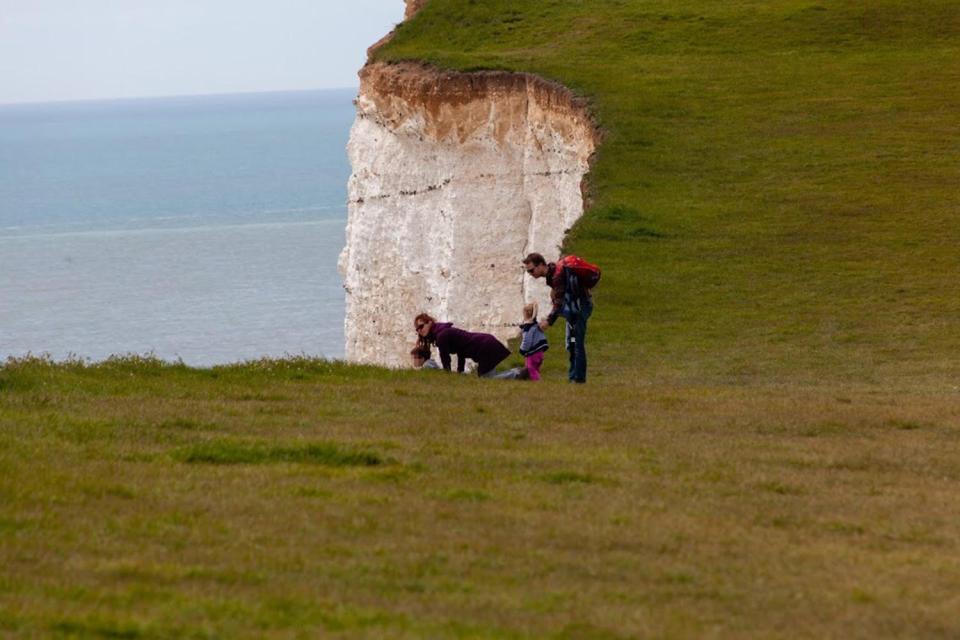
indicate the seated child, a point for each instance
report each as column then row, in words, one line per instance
column 421, row 357
column 534, row 341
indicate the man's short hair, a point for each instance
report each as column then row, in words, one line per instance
column 534, row 259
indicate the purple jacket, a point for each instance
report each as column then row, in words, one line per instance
column 482, row 348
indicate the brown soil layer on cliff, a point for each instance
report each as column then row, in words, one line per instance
column 462, row 102
column 413, row 6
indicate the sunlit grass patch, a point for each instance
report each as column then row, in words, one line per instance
column 108, row 491
column 188, row 424
column 226, row 452
column 143, row 572
column 465, row 495
column 259, row 396
column 313, row 492
column 847, row 528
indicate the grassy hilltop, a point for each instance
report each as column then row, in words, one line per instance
column 769, row 445
column 776, row 198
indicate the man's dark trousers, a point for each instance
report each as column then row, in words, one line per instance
column 577, row 341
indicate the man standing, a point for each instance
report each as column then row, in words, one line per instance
column 570, row 281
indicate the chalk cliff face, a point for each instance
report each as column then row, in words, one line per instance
column 455, row 178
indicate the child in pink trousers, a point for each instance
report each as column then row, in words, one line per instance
column 534, row 341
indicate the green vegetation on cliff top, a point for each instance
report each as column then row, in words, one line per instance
column 769, row 445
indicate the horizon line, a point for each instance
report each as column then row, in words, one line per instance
column 172, row 95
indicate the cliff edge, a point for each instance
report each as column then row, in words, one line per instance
column 456, row 176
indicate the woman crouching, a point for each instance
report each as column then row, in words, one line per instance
column 482, row 348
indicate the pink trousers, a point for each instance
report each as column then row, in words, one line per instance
column 533, row 364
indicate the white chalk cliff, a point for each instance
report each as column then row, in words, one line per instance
column 455, row 178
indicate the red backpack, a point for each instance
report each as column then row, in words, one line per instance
column 588, row 274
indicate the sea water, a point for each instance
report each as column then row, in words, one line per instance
column 205, row 229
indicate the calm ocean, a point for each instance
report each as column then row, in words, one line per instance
column 200, row 228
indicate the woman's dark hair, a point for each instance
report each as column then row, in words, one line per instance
column 423, row 317
column 419, row 321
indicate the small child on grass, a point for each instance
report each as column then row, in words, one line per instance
column 420, row 355
column 534, row 341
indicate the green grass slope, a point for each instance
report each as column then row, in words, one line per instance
column 769, row 445
column 776, row 198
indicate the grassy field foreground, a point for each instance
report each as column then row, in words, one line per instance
column 305, row 499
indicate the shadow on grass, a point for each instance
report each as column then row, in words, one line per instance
column 232, row 452
column 572, row 477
